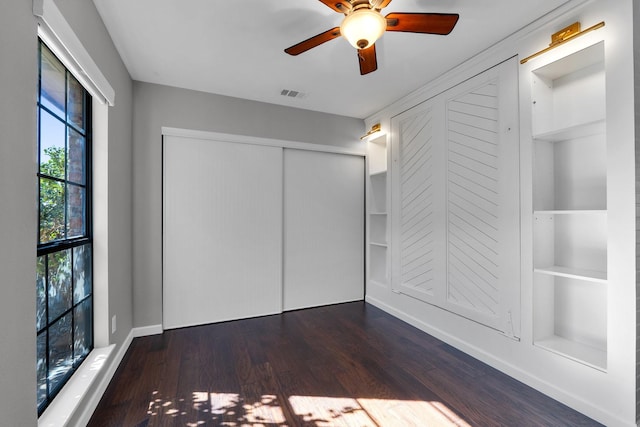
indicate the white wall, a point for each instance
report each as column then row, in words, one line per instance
column 18, row 193
column 609, row 397
column 156, row 106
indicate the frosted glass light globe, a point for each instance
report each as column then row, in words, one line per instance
column 363, row 27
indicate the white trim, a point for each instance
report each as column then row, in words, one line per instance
column 56, row 32
column 145, row 331
column 77, row 396
column 513, row 371
column 242, row 139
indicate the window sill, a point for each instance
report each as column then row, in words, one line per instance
column 67, row 402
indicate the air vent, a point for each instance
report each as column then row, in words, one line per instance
column 292, row 93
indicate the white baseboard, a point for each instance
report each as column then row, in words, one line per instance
column 513, row 371
column 92, row 401
column 145, row 331
column 77, row 400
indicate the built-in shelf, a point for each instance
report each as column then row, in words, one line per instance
column 378, row 263
column 378, row 192
column 383, row 245
column 590, row 356
column 570, row 223
column 377, row 156
column 596, row 127
column 574, row 273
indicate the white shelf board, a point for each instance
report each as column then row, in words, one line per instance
column 596, row 127
column 380, row 138
column 590, row 356
column 574, row 273
column 377, row 213
column 572, row 212
column 571, row 63
column 382, row 245
column 378, row 173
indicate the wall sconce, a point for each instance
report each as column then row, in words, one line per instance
column 563, row 36
column 374, row 129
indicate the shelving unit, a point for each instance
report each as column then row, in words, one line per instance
column 570, row 207
column 377, row 156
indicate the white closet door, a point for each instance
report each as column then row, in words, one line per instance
column 323, row 228
column 455, row 200
column 417, row 196
column 483, row 245
column 222, row 231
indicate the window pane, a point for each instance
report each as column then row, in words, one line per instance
column 76, row 158
column 75, row 102
column 75, row 211
column 52, row 223
column 41, row 367
column 81, row 272
column 41, row 293
column 60, row 351
column 82, row 330
column 52, row 85
column 64, row 311
column 52, row 146
column 60, row 295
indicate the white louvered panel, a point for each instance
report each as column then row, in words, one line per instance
column 455, row 201
column 473, row 198
column 416, row 221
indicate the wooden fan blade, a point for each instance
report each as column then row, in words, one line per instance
column 314, row 41
column 382, row 4
column 428, row 23
column 367, row 59
column 341, row 6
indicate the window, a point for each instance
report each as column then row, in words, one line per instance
column 64, row 302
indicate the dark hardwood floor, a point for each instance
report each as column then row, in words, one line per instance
column 348, row 364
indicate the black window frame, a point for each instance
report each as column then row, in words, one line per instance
column 60, row 245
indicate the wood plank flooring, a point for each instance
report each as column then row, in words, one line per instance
column 342, row 365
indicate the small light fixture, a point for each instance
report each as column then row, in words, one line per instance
column 374, row 129
column 363, row 26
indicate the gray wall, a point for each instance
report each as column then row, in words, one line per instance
column 87, row 24
column 18, row 195
column 18, row 77
column 156, row 106
column 636, row 75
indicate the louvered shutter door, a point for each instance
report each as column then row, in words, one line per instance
column 455, row 241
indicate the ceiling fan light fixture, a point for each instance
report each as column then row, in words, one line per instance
column 362, row 27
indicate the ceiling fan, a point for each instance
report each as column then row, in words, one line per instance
column 363, row 24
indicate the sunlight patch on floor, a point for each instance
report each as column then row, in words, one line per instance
column 233, row 409
column 330, row 411
column 336, row 411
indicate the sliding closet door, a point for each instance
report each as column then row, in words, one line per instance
column 222, row 231
column 323, row 228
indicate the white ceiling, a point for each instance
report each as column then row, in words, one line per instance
column 236, row 48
